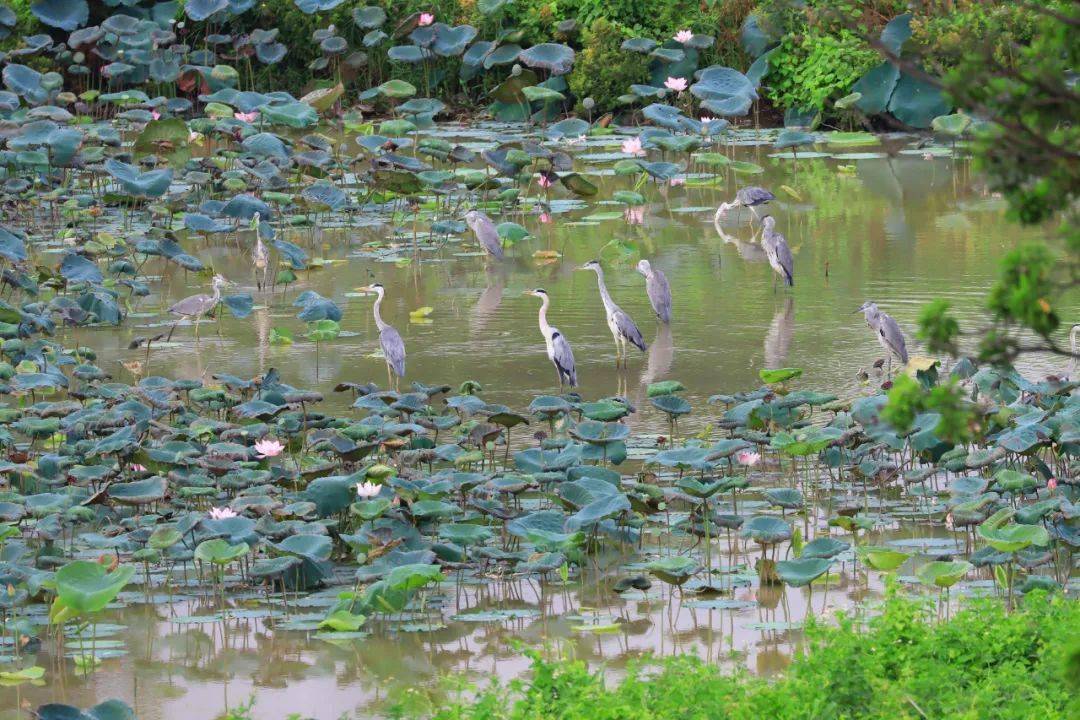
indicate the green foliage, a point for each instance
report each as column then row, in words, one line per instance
column 26, row 24
column 937, row 328
column 908, row 398
column 604, row 72
column 813, row 69
column 944, row 39
column 985, row 662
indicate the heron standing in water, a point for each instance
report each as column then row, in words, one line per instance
column 486, row 233
column 778, row 252
column 196, row 306
column 260, row 256
column 622, row 327
column 558, row 347
column 888, row 332
column 393, row 346
column 748, row 197
column 658, row 290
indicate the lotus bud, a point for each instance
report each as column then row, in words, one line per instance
column 516, row 70
column 588, row 103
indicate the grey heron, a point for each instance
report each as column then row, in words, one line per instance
column 260, row 256
column 658, row 290
column 393, row 346
column 558, row 347
column 621, row 325
column 748, row 197
column 195, row 306
column 486, row 233
column 777, row 250
column 888, row 332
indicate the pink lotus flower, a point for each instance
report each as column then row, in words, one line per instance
column 635, row 215
column 684, row 36
column 426, row 19
column 707, row 120
column 748, row 458
column 155, row 114
column 677, row 84
column 366, row 490
column 545, row 218
column 268, row 448
column 677, row 181
column 1051, row 484
column 222, row 513
column 633, row 147
column 138, row 468
column 193, row 136
column 545, row 181
column 949, row 522
column 246, row 117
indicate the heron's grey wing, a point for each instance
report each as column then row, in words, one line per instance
column 394, row 349
column 893, row 336
column 191, row 305
column 659, row 293
column 564, row 356
column 628, row 329
column 783, row 256
column 754, row 195
column 488, row 235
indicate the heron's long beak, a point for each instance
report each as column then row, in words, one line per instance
column 365, row 289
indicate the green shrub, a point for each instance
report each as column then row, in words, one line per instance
column 603, row 71
column 902, row 665
column 813, row 69
column 971, row 28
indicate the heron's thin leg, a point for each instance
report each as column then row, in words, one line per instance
column 198, row 318
column 888, row 364
column 389, row 378
column 754, row 211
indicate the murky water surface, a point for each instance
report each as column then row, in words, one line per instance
column 899, row 229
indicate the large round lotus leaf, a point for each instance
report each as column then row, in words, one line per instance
column 369, row 17
column 451, row 41
column 882, row 558
column 87, row 587
column 539, row 93
column 408, row 54
column 955, row 125
column 199, row 10
column 465, row 534
column 1009, row 480
column 942, row 573
column 696, row 488
column 675, row 569
column 24, row 81
column 896, row 33
column 917, row 103
column 722, row 82
column 274, row 567
column 683, row 458
column 397, row 89
column 270, row 53
column 312, row 547
column 504, row 55
column 220, row 552
column 12, row 244
column 788, row 498
column 556, row 59
column 793, row 138
column 140, row 492
column 766, row 530
column 824, row 547
column 802, row 572
column 64, row 14
column 639, row 45
column 671, row 404
column 108, row 710
column 411, row 577
column 754, row 39
column 293, row 114
column 1011, row 538
column 152, row 184
column 668, row 55
column 876, row 88
column 334, row 45
column 600, row 433
column 163, row 538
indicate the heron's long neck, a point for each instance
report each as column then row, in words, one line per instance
column 545, row 328
column 217, row 294
column 604, row 296
column 378, row 316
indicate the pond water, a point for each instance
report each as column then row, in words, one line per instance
column 894, row 223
